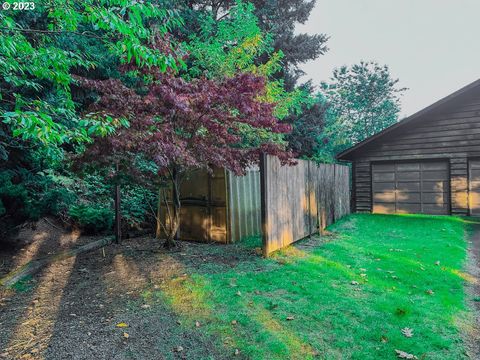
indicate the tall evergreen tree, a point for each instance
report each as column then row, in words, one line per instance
column 278, row 18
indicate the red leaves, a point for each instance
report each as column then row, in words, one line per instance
column 192, row 124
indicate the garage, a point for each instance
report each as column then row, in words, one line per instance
column 411, row 187
column 426, row 163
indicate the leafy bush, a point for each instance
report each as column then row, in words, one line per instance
column 92, row 218
column 15, row 196
column 137, row 205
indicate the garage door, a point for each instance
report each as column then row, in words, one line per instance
column 410, row 187
column 474, row 187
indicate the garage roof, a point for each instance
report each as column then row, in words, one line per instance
column 347, row 154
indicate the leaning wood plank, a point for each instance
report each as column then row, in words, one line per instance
column 33, row 266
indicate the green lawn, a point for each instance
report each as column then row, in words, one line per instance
column 344, row 296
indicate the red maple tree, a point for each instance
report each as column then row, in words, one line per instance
column 182, row 125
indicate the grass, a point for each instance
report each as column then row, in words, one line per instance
column 348, row 297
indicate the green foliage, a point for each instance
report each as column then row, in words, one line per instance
column 37, row 61
column 307, row 136
column 222, row 48
column 42, row 111
column 92, row 219
column 364, row 99
column 138, row 204
column 26, row 195
column 15, row 195
column 94, row 190
column 236, row 43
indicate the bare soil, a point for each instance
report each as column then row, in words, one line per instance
column 72, row 308
column 474, row 290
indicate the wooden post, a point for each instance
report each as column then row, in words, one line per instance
column 118, row 220
column 334, row 192
column 263, row 203
column 309, row 190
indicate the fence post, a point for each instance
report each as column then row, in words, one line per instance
column 118, row 221
column 309, row 193
column 334, row 192
column 263, row 203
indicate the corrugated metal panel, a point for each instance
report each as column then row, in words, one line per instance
column 244, row 205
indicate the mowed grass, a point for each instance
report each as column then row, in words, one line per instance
column 339, row 297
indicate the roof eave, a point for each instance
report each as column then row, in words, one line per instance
column 434, row 106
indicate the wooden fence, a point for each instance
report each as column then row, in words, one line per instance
column 300, row 200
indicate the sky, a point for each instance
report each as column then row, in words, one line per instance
column 432, row 46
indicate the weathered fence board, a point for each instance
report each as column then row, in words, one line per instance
column 300, row 200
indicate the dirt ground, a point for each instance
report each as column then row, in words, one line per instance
column 72, row 308
column 474, row 270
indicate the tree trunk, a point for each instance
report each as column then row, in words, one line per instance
column 175, row 219
column 158, row 230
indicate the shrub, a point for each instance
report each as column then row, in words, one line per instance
column 92, row 218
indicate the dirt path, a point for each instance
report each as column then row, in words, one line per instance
column 71, row 308
column 474, row 270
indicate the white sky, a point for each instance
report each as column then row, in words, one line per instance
column 432, row 46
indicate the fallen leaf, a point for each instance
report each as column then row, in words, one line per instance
column 407, row 332
column 179, row 349
column 234, row 322
column 429, row 292
column 122, row 325
column 354, row 282
column 197, row 323
column 404, row 355
column 384, row 339
column 125, row 335
column 290, row 318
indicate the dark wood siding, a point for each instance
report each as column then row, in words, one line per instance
column 474, row 186
column 451, row 133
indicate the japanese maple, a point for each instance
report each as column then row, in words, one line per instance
column 181, row 125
